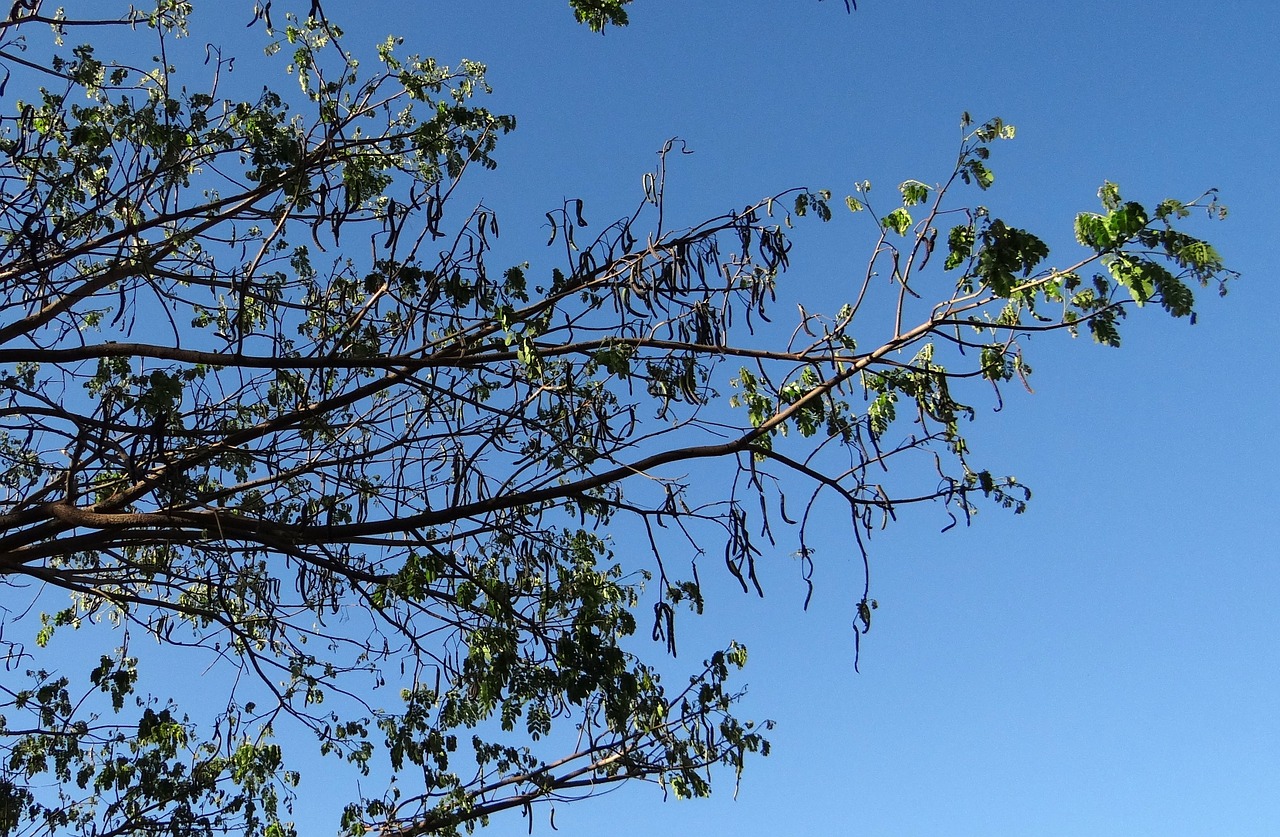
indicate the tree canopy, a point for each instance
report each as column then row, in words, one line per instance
column 275, row 413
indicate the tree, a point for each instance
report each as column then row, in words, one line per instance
column 375, row 492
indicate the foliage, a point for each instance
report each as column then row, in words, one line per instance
column 372, row 494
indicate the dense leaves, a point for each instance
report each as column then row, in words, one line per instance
column 274, row 424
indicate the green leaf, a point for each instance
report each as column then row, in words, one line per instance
column 975, row 171
column 994, row 129
column 1171, row 208
column 1092, row 231
column 1132, row 274
column 1007, row 254
column 913, row 192
column 1109, row 194
column 597, row 14
column 1124, row 222
column 899, row 220
column 1103, row 327
column 960, row 243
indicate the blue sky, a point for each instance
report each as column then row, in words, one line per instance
column 1106, row 663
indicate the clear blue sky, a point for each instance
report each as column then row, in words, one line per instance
column 1107, row 663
